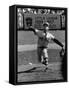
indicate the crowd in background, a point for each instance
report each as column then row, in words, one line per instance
column 21, row 11
column 40, row 11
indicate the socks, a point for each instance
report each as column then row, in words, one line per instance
column 45, row 61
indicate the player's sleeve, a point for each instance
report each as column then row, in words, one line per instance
column 51, row 36
column 39, row 33
column 58, row 42
column 33, row 29
column 36, row 31
column 55, row 40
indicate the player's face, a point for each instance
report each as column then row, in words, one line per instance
column 46, row 28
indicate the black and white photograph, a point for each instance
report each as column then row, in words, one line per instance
column 41, row 44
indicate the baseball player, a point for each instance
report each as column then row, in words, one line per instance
column 44, row 37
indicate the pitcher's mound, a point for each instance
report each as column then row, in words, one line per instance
column 29, row 67
column 39, row 66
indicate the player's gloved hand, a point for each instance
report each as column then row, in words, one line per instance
column 62, row 52
column 31, row 28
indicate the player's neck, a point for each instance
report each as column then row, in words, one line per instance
column 46, row 32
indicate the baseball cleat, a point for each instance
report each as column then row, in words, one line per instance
column 46, row 68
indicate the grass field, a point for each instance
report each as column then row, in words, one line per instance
column 53, row 73
column 28, row 37
column 30, row 55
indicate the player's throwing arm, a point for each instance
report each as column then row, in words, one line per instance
column 60, row 44
column 51, row 37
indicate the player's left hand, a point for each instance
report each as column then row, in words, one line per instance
column 62, row 52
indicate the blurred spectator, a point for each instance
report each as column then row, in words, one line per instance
column 63, row 20
column 53, row 12
column 30, row 10
column 45, row 11
column 59, row 12
column 42, row 11
column 21, row 11
column 20, row 18
column 48, row 11
column 39, row 11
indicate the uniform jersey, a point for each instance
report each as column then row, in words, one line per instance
column 43, row 38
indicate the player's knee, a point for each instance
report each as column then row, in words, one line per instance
column 45, row 53
column 45, row 50
column 46, row 58
column 46, row 61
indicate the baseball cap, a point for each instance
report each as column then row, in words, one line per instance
column 46, row 23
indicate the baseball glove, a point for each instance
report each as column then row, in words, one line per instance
column 62, row 52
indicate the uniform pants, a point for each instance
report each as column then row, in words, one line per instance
column 42, row 54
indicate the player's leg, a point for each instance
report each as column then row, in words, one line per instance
column 45, row 57
column 39, row 53
column 42, row 58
